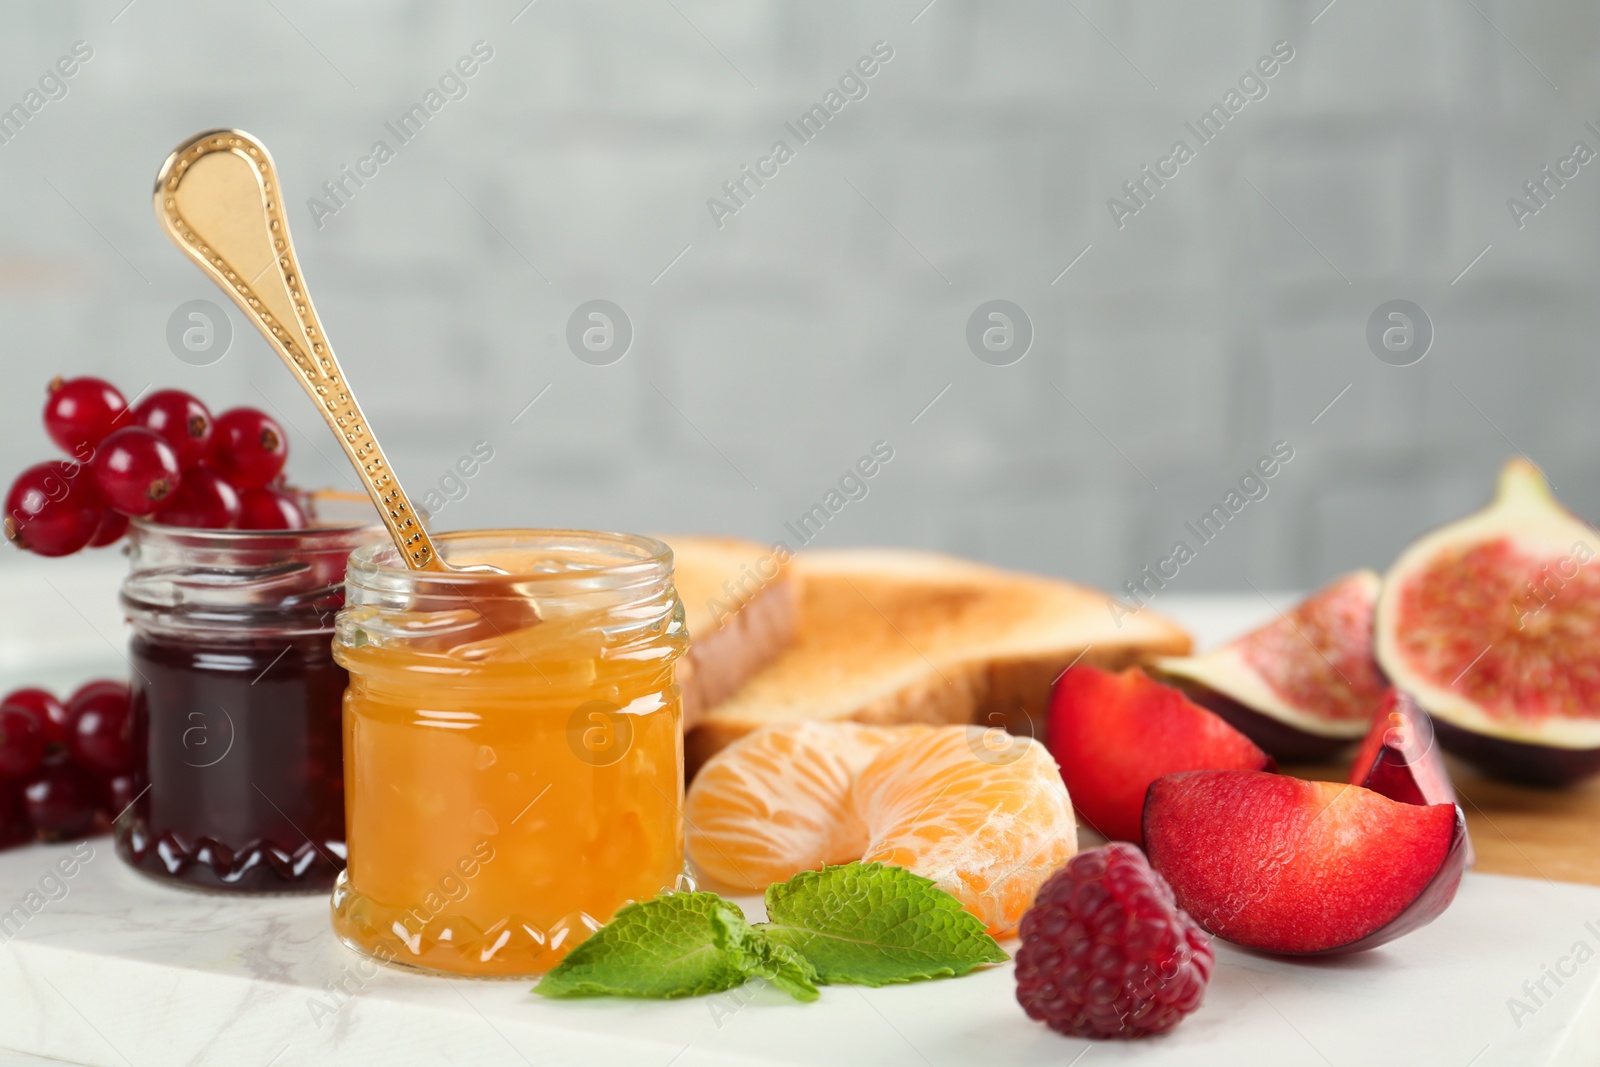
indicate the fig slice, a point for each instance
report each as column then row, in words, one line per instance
column 1493, row 623
column 1286, row 865
column 1114, row 734
column 1305, row 686
column 1399, row 758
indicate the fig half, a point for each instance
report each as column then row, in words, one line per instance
column 1493, row 623
column 1303, row 687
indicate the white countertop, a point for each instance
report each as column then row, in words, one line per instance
column 124, row 972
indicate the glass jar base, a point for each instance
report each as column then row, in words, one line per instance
column 364, row 951
column 259, row 867
column 419, row 939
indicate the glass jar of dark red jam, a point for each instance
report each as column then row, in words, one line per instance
column 238, row 771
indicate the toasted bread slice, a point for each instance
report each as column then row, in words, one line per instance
column 896, row 636
column 740, row 605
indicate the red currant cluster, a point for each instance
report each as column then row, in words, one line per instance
column 167, row 458
column 65, row 769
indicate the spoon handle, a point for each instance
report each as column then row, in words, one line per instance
column 218, row 198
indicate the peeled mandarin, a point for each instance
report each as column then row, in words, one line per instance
column 777, row 801
column 987, row 823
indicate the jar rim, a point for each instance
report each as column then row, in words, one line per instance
column 305, row 539
column 619, row 559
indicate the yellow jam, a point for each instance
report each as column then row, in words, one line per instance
column 507, row 789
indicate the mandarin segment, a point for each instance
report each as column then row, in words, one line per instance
column 986, row 824
column 987, row 827
column 777, row 801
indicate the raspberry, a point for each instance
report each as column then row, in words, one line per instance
column 1107, row 952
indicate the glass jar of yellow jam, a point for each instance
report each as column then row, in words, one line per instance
column 513, row 751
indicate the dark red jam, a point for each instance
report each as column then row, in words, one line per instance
column 237, row 743
column 242, row 762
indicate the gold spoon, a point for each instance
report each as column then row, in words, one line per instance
column 218, row 198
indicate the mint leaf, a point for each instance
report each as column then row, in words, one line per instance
column 867, row 924
column 785, row 968
column 677, row 945
column 872, row 924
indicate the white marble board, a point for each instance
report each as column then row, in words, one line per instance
column 123, row 972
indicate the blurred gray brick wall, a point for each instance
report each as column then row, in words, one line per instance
column 831, row 310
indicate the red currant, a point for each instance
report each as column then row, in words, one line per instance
column 51, row 713
column 268, row 509
column 113, row 524
column 205, row 501
column 52, row 508
column 15, row 829
column 181, row 419
column 96, row 687
column 118, row 793
column 61, row 802
column 79, row 412
column 99, row 725
column 248, row 448
column 21, row 741
column 136, row 470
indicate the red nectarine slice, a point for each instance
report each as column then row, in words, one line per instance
column 1285, row 865
column 1114, row 734
column 1399, row 758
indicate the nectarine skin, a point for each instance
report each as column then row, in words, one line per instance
column 1400, row 759
column 1429, row 904
column 1288, row 866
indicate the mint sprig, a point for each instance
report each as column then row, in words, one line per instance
column 871, row 924
column 862, row 924
column 784, row 968
column 678, row 945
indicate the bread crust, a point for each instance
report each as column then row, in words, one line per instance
column 741, row 606
column 888, row 637
column 720, row 661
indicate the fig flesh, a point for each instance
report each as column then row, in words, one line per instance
column 1305, row 686
column 1493, row 624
